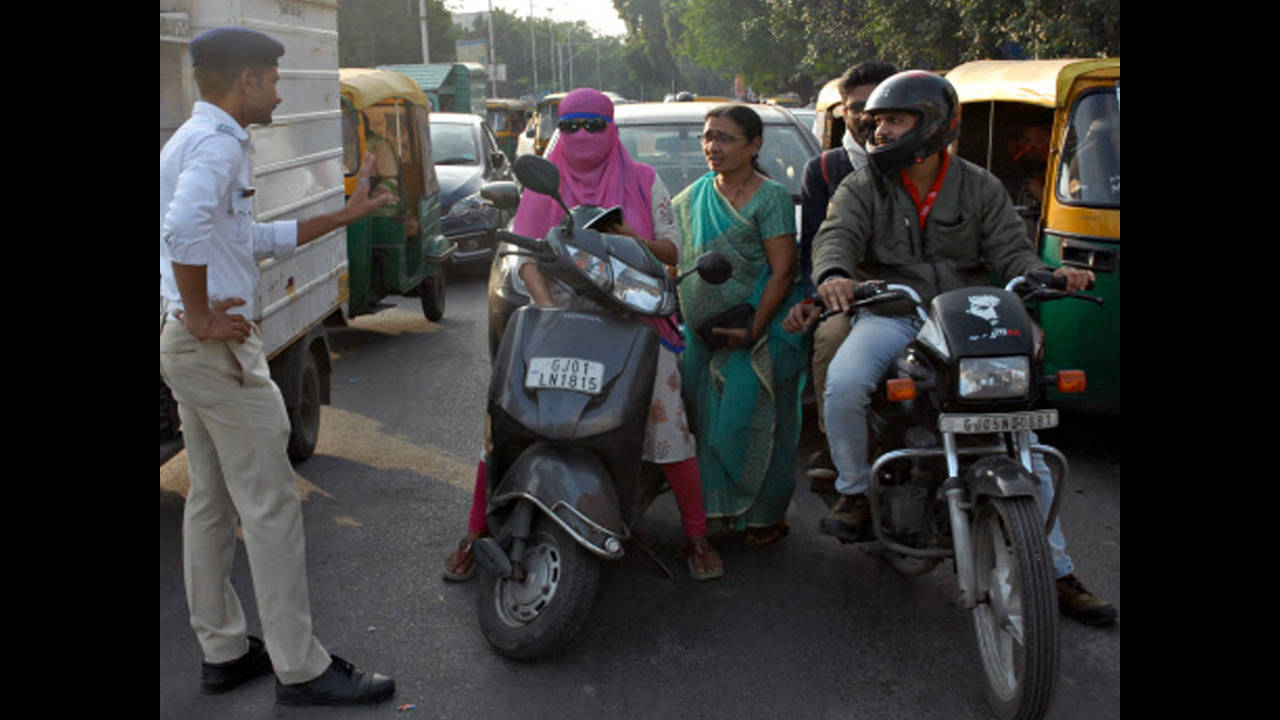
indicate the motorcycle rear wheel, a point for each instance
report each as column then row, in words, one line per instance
column 539, row 616
column 1016, row 618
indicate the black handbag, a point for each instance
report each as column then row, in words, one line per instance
column 738, row 316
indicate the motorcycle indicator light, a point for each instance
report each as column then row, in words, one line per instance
column 900, row 389
column 1071, row 381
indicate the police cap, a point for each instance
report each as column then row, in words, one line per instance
column 229, row 45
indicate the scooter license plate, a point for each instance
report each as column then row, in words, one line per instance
column 565, row 373
column 998, row 422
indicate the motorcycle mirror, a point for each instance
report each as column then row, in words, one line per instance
column 713, row 268
column 539, row 175
column 501, row 193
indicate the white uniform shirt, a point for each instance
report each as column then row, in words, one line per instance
column 205, row 216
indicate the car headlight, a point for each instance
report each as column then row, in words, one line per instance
column 466, row 205
column 995, row 378
column 637, row 289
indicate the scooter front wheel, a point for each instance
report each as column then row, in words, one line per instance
column 538, row 616
column 1016, row 617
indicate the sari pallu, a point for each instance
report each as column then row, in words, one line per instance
column 744, row 403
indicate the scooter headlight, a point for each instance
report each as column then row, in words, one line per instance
column 638, row 290
column 591, row 266
column 995, row 378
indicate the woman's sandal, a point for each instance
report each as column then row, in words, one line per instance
column 765, row 536
column 697, row 553
column 460, row 564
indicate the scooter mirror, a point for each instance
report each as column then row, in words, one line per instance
column 713, row 268
column 501, row 193
column 538, row 174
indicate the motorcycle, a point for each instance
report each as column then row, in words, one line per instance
column 951, row 430
column 568, row 403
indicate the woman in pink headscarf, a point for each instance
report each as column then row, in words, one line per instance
column 595, row 169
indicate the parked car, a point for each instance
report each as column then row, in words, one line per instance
column 466, row 157
column 665, row 136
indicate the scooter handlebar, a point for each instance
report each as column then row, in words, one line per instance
column 533, row 245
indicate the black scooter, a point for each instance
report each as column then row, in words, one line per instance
column 949, row 429
column 568, row 403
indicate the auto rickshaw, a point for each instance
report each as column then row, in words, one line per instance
column 507, row 118
column 538, row 132
column 396, row 249
column 1050, row 130
column 828, row 117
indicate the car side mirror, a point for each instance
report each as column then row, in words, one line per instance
column 529, row 133
column 502, row 194
column 497, row 159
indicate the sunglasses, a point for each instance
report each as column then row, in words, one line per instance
column 593, row 125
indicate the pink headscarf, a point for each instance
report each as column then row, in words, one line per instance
column 595, row 169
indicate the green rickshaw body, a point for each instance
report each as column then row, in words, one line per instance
column 1050, row 129
column 398, row 249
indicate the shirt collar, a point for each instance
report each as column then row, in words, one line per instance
column 220, row 118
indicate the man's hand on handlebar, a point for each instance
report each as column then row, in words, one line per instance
column 1077, row 278
column 837, row 293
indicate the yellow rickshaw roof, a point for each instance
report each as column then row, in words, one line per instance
column 1038, row 82
column 552, row 98
column 829, row 95
column 509, row 103
column 366, row 86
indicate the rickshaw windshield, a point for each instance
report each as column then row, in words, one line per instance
column 498, row 120
column 547, row 119
column 1089, row 173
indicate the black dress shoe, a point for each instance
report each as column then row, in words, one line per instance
column 340, row 684
column 220, row 677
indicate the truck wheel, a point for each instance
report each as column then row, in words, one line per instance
column 432, row 292
column 304, row 415
column 538, row 617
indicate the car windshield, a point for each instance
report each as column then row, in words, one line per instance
column 676, row 153
column 454, row 144
column 1090, row 167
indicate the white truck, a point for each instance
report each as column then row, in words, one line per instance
column 297, row 173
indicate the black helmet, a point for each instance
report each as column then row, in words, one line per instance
column 934, row 102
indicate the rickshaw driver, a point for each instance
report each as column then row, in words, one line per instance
column 878, row 228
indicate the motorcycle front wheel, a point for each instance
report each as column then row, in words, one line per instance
column 538, row 616
column 1016, row 618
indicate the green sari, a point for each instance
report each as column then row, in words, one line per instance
column 743, row 403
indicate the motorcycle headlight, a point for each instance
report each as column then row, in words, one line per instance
column 467, row 204
column 637, row 289
column 995, row 378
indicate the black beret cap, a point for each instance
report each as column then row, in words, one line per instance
column 229, row 44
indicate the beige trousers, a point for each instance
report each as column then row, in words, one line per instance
column 826, row 341
column 236, row 429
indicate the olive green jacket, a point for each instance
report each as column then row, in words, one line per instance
column 971, row 237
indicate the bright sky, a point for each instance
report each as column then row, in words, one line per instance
column 599, row 14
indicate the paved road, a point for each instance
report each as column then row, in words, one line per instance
column 805, row 629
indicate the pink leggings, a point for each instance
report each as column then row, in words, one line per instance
column 682, row 476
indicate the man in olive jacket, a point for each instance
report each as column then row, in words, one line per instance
column 920, row 217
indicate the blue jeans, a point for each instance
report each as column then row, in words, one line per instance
column 864, row 357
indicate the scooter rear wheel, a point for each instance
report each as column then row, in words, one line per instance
column 1016, row 618
column 539, row 616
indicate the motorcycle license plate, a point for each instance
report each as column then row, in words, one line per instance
column 998, row 422
column 565, row 373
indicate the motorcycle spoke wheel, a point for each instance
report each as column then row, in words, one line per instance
column 1016, row 616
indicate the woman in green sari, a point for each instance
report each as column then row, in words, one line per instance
column 744, row 397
